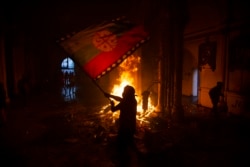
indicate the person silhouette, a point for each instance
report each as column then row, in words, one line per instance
column 214, row 94
column 145, row 96
column 127, row 121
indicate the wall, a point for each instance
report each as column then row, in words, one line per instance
column 222, row 22
column 190, row 64
column 207, row 76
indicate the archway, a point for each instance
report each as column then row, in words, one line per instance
column 68, row 73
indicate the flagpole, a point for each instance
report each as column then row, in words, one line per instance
column 98, row 86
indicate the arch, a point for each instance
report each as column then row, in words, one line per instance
column 68, row 65
column 68, row 79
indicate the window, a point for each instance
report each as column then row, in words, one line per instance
column 68, row 65
column 68, row 71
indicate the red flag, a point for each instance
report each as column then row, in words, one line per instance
column 100, row 48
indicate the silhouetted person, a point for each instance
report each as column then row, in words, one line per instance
column 2, row 104
column 127, row 121
column 145, row 96
column 215, row 94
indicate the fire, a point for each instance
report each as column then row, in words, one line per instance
column 128, row 69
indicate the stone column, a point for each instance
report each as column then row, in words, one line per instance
column 174, row 14
column 178, row 21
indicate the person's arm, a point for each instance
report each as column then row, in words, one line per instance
column 113, row 107
column 117, row 98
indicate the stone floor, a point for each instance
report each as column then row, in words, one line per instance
column 47, row 132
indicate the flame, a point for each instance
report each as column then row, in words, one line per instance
column 128, row 69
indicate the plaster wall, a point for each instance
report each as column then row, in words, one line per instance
column 207, row 78
column 190, row 64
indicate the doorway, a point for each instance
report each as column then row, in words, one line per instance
column 68, row 90
column 195, row 86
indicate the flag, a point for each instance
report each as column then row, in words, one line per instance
column 98, row 49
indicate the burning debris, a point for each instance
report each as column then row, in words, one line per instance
column 127, row 72
column 100, row 124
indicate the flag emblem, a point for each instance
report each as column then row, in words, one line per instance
column 105, row 40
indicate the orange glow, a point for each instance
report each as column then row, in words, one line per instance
column 128, row 68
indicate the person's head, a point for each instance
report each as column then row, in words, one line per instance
column 128, row 91
column 220, row 84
